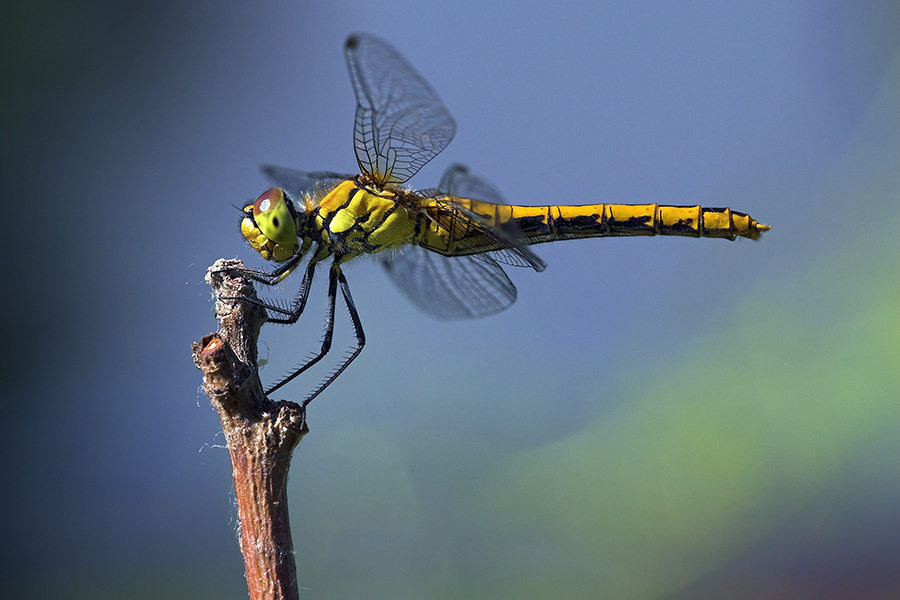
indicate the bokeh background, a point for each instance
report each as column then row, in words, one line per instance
column 654, row 418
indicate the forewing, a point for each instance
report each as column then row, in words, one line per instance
column 459, row 287
column 401, row 122
column 298, row 183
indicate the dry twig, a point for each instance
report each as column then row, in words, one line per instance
column 261, row 434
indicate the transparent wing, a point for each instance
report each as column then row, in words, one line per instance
column 297, row 183
column 460, row 287
column 458, row 182
column 401, row 122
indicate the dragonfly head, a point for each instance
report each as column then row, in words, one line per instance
column 271, row 224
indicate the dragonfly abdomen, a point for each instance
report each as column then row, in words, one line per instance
column 551, row 223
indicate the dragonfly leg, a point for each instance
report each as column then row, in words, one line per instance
column 290, row 313
column 329, row 328
column 276, row 276
column 337, row 276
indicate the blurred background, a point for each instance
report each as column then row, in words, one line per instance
column 654, row 418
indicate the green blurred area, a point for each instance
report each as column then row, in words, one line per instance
column 712, row 458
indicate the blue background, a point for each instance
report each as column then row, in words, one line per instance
column 654, row 418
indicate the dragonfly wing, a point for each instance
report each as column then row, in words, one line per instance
column 298, row 183
column 458, row 182
column 458, row 287
column 401, row 122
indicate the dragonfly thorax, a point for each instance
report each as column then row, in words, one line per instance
column 355, row 219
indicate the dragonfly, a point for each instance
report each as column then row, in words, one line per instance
column 444, row 247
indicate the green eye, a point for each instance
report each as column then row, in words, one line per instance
column 275, row 218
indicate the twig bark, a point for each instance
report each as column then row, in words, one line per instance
column 261, row 434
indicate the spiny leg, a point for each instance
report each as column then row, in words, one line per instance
column 299, row 303
column 291, row 314
column 276, row 276
column 336, row 275
column 333, row 276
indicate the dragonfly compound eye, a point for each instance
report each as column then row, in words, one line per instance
column 275, row 218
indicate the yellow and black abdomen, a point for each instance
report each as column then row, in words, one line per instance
column 465, row 226
column 551, row 223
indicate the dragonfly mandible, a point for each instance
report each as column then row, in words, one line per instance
column 443, row 247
